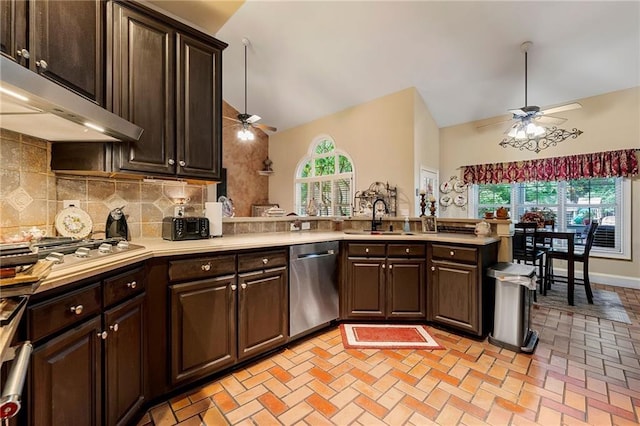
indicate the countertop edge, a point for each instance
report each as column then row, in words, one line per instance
column 156, row 247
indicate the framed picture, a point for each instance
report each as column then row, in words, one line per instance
column 429, row 224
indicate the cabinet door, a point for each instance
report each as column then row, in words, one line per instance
column 124, row 360
column 262, row 311
column 65, row 378
column 66, row 44
column 203, row 327
column 13, row 29
column 405, row 288
column 143, row 89
column 365, row 288
column 454, row 295
column 198, row 125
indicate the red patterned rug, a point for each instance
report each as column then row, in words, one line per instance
column 387, row 336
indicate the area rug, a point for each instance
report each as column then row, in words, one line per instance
column 387, row 336
column 606, row 304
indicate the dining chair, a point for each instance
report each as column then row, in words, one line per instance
column 578, row 256
column 525, row 248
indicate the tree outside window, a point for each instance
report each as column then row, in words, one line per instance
column 324, row 178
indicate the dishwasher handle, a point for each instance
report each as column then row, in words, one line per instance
column 316, row 255
column 10, row 399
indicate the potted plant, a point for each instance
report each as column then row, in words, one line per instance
column 542, row 217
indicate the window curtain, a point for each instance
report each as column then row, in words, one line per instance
column 623, row 163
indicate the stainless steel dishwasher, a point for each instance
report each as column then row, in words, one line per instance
column 313, row 286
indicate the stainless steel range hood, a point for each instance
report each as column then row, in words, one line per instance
column 33, row 105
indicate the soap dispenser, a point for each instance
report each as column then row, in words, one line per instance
column 406, row 227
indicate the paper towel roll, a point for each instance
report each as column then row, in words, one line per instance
column 213, row 212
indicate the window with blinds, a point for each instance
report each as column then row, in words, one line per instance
column 575, row 204
column 324, row 180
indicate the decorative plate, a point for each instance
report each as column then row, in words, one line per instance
column 73, row 222
column 459, row 186
column 460, row 200
column 445, row 187
column 446, row 200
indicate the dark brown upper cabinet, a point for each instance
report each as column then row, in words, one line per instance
column 60, row 40
column 168, row 81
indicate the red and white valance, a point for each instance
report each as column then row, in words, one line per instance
column 623, row 163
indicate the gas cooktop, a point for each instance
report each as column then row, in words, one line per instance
column 68, row 251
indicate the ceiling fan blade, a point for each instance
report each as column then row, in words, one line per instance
column 492, row 122
column 561, row 108
column 518, row 112
column 252, row 119
column 232, row 119
column 545, row 119
column 265, row 127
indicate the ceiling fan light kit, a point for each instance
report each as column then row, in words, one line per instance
column 525, row 133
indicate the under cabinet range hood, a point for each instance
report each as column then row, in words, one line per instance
column 36, row 106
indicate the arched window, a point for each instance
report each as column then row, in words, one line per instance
column 325, row 176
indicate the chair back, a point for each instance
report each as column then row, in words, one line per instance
column 590, row 237
column 523, row 238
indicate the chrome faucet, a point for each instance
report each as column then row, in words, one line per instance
column 375, row 223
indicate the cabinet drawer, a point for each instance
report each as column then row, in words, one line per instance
column 366, row 250
column 54, row 315
column 261, row 260
column 407, row 250
column 459, row 254
column 123, row 286
column 201, row 267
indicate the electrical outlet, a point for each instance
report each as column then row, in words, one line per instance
column 69, row 203
column 306, row 226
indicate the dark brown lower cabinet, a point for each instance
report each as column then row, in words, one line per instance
column 203, row 327
column 460, row 294
column 66, row 378
column 262, row 310
column 384, row 280
column 124, row 361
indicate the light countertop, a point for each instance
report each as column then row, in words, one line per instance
column 157, row 247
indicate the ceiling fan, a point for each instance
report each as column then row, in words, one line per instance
column 529, row 117
column 244, row 119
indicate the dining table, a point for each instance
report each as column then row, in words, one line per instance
column 569, row 236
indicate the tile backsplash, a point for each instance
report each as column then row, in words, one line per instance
column 32, row 195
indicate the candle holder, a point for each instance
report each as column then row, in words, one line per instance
column 432, row 208
column 423, row 204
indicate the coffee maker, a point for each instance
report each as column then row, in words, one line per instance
column 117, row 224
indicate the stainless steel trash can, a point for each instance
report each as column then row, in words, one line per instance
column 515, row 287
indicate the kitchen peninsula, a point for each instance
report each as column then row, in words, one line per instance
column 177, row 312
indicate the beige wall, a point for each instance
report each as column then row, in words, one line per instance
column 378, row 135
column 609, row 122
column 426, row 142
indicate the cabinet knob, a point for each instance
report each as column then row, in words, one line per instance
column 42, row 64
column 384, row 266
column 182, row 163
column 390, row 266
column 407, row 250
column 24, row 53
column 132, row 284
column 206, row 266
column 452, row 253
column 114, row 327
column 265, row 260
column 433, row 268
column 171, row 161
column 77, row 309
column 233, row 287
column 366, row 250
column 103, row 335
column 243, row 285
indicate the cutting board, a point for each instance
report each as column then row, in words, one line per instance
column 36, row 273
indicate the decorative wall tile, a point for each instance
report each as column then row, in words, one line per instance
column 35, row 184
column 128, row 190
column 71, row 188
column 10, row 154
column 100, row 190
column 150, row 192
column 19, row 199
column 9, row 181
column 34, row 158
column 35, row 215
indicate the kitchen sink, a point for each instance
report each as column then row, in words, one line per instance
column 355, row 232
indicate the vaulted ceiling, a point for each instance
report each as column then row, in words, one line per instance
column 308, row 59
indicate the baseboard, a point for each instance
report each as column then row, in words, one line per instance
column 606, row 279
